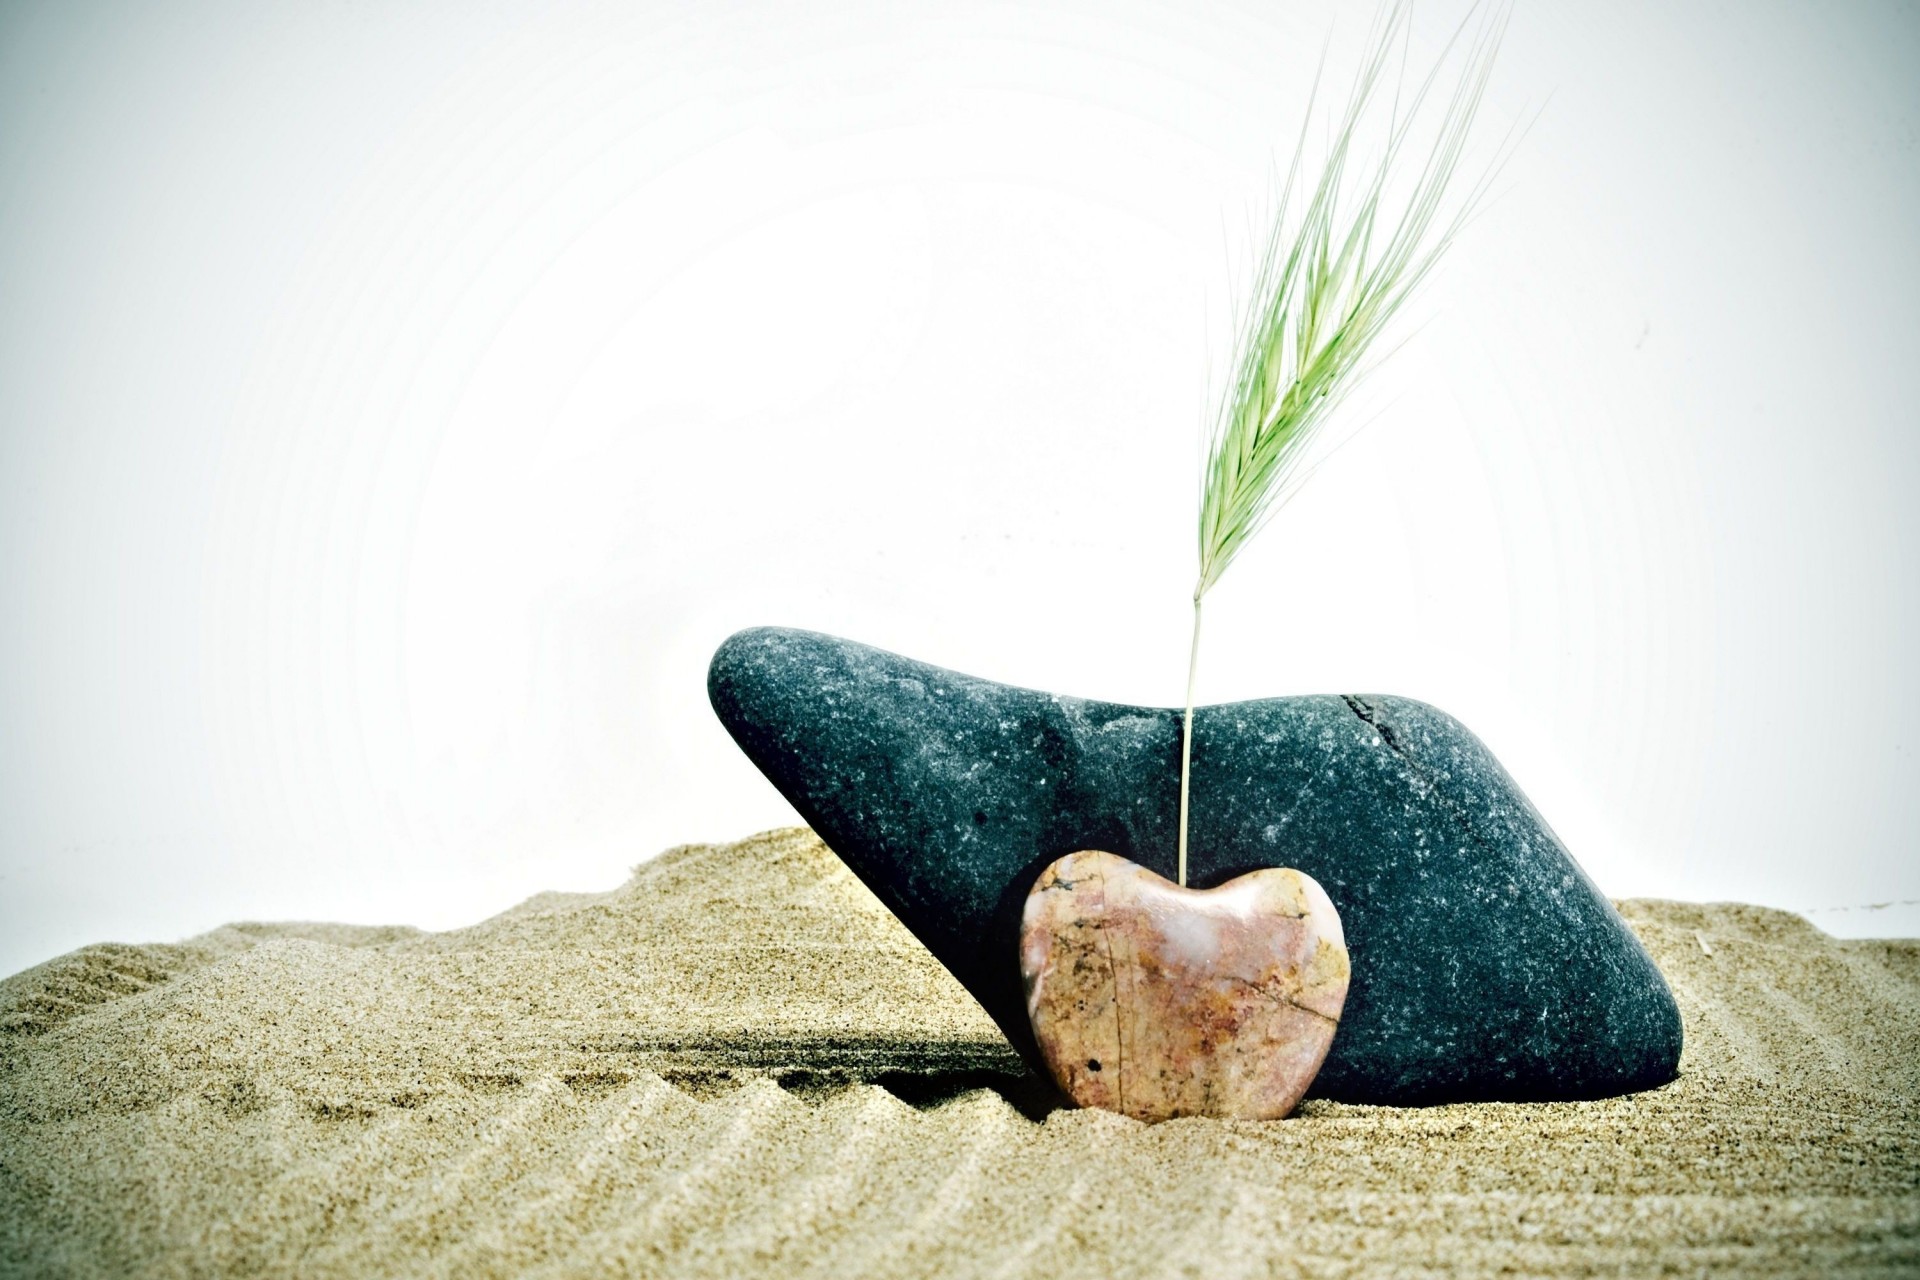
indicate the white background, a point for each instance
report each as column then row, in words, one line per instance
column 399, row 402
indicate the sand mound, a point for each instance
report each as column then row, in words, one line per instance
column 739, row 1063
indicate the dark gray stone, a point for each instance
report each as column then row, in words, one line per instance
column 1485, row 964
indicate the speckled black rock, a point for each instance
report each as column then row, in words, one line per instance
column 1485, row 964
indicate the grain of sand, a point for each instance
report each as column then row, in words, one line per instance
column 739, row 1064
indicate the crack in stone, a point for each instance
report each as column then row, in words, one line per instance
column 1369, row 717
column 1119, row 1019
column 1364, row 709
column 1277, row 998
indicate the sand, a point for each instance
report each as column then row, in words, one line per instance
column 739, row 1064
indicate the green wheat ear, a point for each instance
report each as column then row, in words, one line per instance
column 1333, row 275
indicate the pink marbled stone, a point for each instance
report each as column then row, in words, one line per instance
column 1157, row 1001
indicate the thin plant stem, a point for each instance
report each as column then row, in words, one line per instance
column 1349, row 247
column 1186, row 737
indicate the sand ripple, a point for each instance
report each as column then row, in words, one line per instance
column 598, row 1084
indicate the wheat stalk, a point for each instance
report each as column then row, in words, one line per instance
column 1332, row 277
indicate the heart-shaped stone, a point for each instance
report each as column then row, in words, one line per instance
column 1157, row 1001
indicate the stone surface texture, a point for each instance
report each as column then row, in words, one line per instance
column 1157, row 1001
column 1486, row 966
